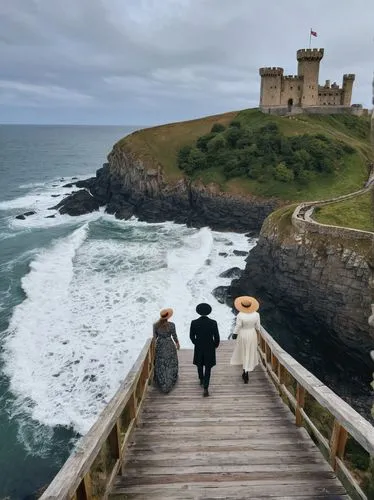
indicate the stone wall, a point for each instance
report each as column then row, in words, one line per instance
column 317, row 110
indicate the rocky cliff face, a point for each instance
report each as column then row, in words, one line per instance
column 127, row 186
column 323, row 281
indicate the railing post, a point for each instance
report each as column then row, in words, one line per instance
column 267, row 353
column 337, row 443
column 300, row 401
column 114, row 441
column 274, row 362
column 84, row 491
column 281, row 375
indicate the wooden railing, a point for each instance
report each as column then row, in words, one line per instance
column 296, row 385
column 89, row 472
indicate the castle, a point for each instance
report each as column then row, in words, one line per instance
column 302, row 93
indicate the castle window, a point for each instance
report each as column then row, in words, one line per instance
column 298, row 87
column 291, row 88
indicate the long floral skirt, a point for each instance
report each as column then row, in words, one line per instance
column 166, row 364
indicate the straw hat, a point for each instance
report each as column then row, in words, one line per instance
column 203, row 309
column 166, row 313
column 246, row 304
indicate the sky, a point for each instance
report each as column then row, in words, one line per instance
column 146, row 62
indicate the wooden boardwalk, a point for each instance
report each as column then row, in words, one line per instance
column 241, row 442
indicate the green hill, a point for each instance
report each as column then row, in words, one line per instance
column 338, row 142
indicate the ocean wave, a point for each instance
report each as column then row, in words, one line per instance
column 90, row 304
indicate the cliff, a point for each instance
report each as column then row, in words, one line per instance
column 133, row 188
column 322, row 276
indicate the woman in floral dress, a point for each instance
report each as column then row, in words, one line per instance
column 166, row 357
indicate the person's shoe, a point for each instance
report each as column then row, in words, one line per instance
column 246, row 378
column 243, row 375
column 206, row 393
column 201, row 382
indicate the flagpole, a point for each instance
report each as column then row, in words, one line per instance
column 310, row 37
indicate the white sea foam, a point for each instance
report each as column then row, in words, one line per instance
column 39, row 199
column 90, row 304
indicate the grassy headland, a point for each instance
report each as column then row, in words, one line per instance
column 347, row 135
column 356, row 212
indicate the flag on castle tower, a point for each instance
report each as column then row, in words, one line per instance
column 313, row 33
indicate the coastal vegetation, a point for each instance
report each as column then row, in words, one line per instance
column 265, row 155
column 297, row 158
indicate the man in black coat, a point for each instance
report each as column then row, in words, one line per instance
column 205, row 337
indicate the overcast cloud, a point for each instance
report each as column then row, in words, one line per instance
column 142, row 62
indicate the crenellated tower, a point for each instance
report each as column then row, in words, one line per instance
column 308, row 68
column 347, row 89
column 271, row 84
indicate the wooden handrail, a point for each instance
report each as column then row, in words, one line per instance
column 279, row 364
column 90, row 470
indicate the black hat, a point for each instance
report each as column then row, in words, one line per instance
column 203, row 309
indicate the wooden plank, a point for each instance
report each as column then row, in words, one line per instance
column 322, row 477
column 287, row 444
column 247, row 457
column 229, row 489
column 140, row 470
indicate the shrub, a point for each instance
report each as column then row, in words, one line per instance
column 202, row 142
column 197, row 160
column 217, row 128
column 235, row 123
column 232, row 135
column 283, row 174
column 218, row 142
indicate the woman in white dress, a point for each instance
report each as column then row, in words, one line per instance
column 245, row 333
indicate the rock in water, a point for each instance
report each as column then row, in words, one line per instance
column 240, row 253
column 79, row 203
column 221, row 293
column 233, row 272
column 25, row 214
column 125, row 212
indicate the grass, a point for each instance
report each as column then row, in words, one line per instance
column 356, row 213
column 159, row 146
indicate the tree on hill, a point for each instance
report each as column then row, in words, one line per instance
column 263, row 153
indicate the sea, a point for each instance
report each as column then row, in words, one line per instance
column 78, row 296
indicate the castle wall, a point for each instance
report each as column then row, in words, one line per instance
column 333, row 110
column 330, row 96
column 291, row 89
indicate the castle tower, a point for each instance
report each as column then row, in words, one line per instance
column 347, row 89
column 271, row 84
column 308, row 68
